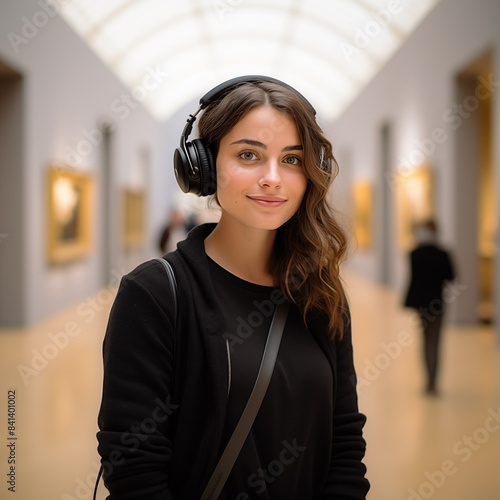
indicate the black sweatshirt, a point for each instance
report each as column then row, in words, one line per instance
column 164, row 417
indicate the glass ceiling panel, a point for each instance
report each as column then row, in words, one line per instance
column 248, row 21
column 160, row 30
column 331, row 49
column 162, row 44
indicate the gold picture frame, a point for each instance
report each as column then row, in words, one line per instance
column 362, row 197
column 70, row 202
column 133, row 217
column 414, row 201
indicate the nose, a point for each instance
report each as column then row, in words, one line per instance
column 270, row 176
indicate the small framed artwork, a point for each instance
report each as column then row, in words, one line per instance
column 133, row 217
column 70, row 202
column 362, row 196
column 415, row 203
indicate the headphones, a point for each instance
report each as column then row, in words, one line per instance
column 194, row 163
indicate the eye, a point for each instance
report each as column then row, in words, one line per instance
column 293, row 160
column 247, row 155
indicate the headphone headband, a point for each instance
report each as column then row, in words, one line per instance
column 211, row 95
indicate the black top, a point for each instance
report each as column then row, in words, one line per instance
column 165, row 393
column 302, row 379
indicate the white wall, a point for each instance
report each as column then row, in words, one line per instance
column 67, row 92
column 413, row 93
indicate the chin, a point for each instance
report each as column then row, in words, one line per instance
column 269, row 225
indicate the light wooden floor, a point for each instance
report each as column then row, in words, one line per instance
column 445, row 448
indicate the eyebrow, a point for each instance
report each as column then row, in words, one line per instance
column 259, row 144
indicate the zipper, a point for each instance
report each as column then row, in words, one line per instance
column 228, row 351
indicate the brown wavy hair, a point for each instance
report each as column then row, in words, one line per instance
column 311, row 246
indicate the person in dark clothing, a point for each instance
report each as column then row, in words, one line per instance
column 175, row 230
column 172, row 396
column 430, row 267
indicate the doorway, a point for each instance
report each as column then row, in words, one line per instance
column 11, row 198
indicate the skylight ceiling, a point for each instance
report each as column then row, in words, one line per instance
column 170, row 52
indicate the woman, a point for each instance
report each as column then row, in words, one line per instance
column 171, row 401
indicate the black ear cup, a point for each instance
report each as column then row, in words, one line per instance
column 182, row 170
column 194, row 168
column 206, row 164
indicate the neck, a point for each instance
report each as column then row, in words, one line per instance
column 243, row 251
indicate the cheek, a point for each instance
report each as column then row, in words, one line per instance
column 229, row 173
column 300, row 191
column 231, row 176
column 300, row 185
column 223, row 175
column 230, row 185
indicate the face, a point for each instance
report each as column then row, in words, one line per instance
column 260, row 178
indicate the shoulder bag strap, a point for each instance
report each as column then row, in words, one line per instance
column 226, row 462
column 173, row 286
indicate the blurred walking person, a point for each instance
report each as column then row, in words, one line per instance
column 431, row 268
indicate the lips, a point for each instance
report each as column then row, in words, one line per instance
column 268, row 201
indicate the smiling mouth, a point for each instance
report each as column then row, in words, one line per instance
column 268, row 201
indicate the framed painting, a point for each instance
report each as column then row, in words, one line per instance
column 415, row 203
column 362, row 197
column 70, row 202
column 133, row 217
